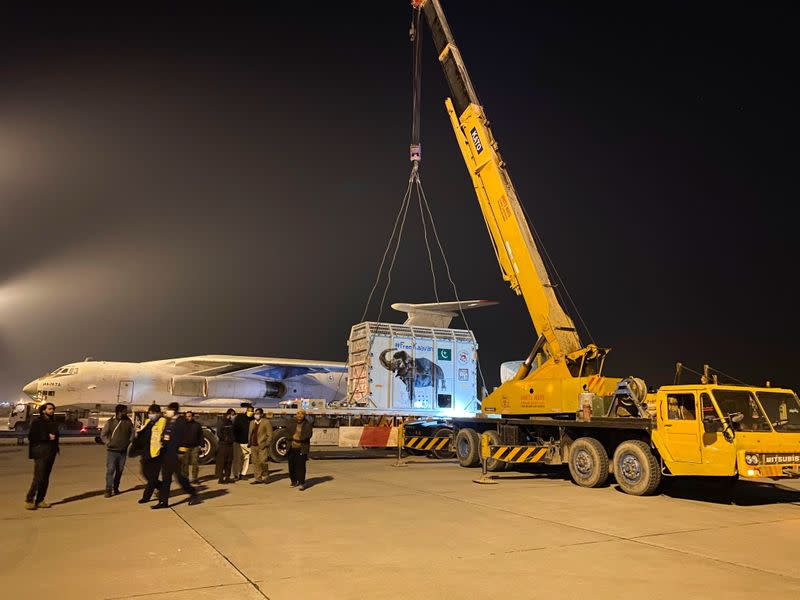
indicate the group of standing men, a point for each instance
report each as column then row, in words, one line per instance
column 169, row 446
column 247, row 437
column 243, row 439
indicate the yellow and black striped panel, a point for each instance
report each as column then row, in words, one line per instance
column 518, row 454
column 427, row 443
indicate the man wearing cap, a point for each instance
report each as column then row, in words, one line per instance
column 260, row 436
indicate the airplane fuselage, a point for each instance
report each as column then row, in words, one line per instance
column 103, row 384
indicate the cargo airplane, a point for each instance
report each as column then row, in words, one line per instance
column 198, row 381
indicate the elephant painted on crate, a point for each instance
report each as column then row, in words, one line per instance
column 413, row 372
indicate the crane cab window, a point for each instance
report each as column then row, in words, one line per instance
column 681, row 407
column 742, row 401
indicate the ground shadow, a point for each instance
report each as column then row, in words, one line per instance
column 524, row 471
column 94, row 494
column 420, row 460
column 273, row 477
column 741, row 493
column 318, row 480
column 83, row 496
column 207, row 495
column 355, row 454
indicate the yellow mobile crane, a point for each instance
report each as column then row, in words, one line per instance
column 706, row 429
column 559, row 366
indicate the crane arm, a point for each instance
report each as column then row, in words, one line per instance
column 520, row 262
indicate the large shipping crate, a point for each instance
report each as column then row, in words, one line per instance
column 407, row 367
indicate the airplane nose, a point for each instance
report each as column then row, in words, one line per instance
column 32, row 388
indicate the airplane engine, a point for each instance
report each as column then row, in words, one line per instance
column 234, row 388
column 245, row 389
column 187, row 385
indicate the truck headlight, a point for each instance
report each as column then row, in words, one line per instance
column 751, row 459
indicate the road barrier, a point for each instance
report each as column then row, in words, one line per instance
column 517, row 454
column 419, row 443
column 507, row 454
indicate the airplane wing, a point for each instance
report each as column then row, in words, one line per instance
column 213, row 365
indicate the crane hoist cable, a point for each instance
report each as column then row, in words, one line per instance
column 394, row 242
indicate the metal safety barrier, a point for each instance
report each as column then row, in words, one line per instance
column 508, row 454
column 418, row 442
column 518, row 454
column 427, row 443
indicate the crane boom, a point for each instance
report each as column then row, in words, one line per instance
column 566, row 367
column 520, row 261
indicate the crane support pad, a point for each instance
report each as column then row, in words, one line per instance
column 519, row 454
column 427, row 443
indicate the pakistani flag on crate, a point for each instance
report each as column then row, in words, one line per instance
column 444, row 354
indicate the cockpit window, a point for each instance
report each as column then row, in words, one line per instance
column 65, row 371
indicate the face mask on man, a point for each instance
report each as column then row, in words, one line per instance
column 170, row 413
column 153, row 416
column 249, row 413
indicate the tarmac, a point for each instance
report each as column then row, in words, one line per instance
column 364, row 529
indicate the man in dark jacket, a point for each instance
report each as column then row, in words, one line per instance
column 225, row 447
column 148, row 445
column 174, row 431
column 42, row 448
column 299, row 438
column 117, row 433
column 193, row 440
column 241, row 451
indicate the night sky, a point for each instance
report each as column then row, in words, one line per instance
column 175, row 182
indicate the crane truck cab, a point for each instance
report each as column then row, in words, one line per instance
column 722, row 430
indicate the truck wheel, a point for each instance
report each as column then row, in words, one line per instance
column 588, row 462
column 447, row 452
column 279, row 446
column 208, row 451
column 636, row 469
column 468, row 447
column 492, row 464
